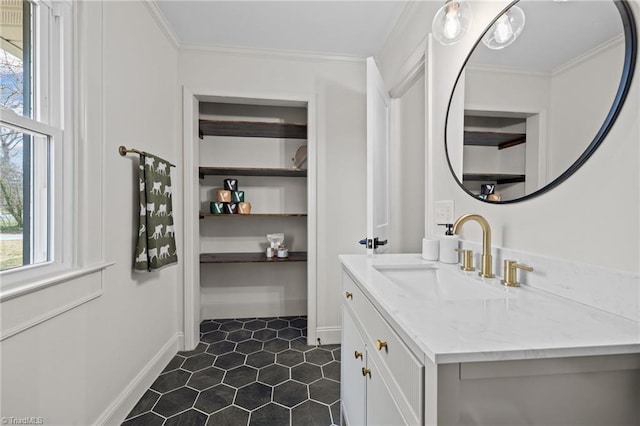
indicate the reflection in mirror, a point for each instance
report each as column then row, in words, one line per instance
column 523, row 118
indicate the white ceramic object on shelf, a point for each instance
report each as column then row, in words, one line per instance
column 300, row 159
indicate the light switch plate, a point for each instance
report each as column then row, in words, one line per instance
column 444, row 211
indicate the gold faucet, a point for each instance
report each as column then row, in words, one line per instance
column 486, row 270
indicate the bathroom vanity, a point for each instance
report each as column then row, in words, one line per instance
column 426, row 343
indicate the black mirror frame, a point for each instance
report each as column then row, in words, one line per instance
column 630, row 56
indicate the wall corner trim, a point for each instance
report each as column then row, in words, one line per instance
column 410, row 9
column 116, row 412
column 163, row 23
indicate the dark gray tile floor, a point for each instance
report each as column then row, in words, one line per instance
column 246, row 372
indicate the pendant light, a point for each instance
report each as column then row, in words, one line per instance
column 505, row 30
column 451, row 22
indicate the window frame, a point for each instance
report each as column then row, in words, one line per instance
column 51, row 115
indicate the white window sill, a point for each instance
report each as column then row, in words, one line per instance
column 51, row 281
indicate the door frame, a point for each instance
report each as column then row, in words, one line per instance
column 417, row 65
column 190, row 153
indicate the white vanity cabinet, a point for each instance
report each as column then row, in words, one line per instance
column 382, row 380
column 452, row 359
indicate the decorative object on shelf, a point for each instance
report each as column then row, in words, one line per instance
column 300, row 159
column 156, row 247
column 487, row 188
column 244, row 208
column 230, row 201
column 275, row 240
column 451, row 22
column 231, row 184
column 223, row 195
column 505, row 30
column 217, row 207
column 270, row 252
column 231, row 208
column 283, row 252
column 237, row 196
column 488, row 192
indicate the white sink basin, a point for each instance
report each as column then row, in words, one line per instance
column 431, row 282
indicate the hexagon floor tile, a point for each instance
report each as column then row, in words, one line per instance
column 245, row 372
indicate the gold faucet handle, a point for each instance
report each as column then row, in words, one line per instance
column 467, row 260
column 510, row 277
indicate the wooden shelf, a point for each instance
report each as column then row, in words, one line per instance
column 493, row 177
column 244, row 171
column 205, row 214
column 252, row 129
column 500, row 140
column 296, row 256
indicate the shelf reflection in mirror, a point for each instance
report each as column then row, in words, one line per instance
column 522, row 119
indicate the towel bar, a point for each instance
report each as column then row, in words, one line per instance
column 124, row 151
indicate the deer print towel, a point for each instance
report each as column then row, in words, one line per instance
column 156, row 246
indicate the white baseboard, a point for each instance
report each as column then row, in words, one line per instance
column 329, row 335
column 129, row 397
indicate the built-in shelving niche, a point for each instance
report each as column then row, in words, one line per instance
column 233, row 281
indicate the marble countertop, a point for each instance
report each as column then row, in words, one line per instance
column 491, row 322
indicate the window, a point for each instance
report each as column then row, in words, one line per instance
column 34, row 103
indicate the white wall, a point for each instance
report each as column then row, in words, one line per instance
column 577, row 114
column 573, row 221
column 339, row 86
column 78, row 366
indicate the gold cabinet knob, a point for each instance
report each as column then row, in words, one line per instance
column 380, row 345
column 348, row 295
column 366, row 372
column 357, row 355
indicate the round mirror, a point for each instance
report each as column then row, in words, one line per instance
column 522, row 118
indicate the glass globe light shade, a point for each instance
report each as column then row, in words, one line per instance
column 505, row 30
column 451, row 22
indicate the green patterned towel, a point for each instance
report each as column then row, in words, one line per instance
column 156, row 246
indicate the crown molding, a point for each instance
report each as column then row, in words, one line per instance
column 163, row 23
column 588, row 55
column 506, row 70
column 271, row 53
column 572, row 63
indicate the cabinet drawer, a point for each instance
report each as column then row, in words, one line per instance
column 400, row 368
column 353, row 297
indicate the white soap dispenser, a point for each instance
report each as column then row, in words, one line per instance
column 448, row 245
